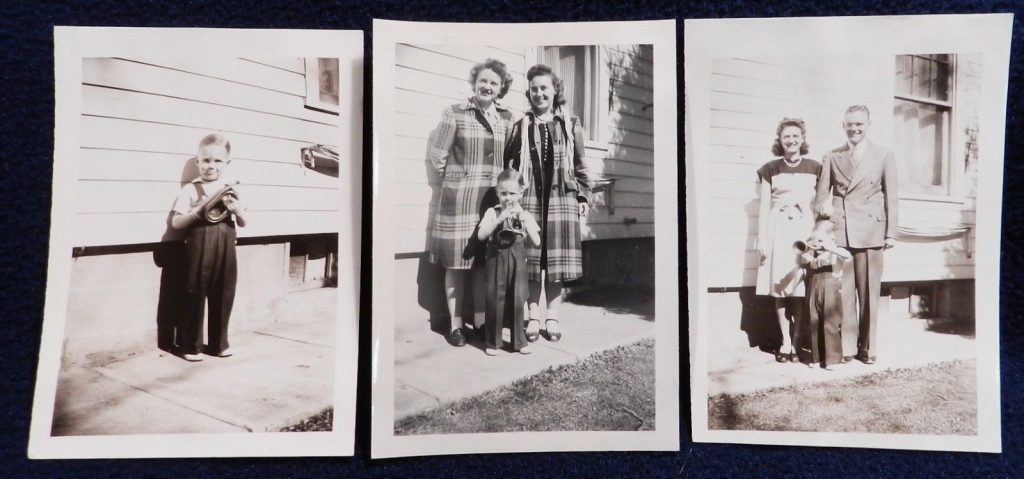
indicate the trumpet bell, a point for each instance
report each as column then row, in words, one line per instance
column 215, row 211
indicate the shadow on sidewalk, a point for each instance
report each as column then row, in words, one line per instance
column 625, row 300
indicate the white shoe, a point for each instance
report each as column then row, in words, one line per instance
column 193, row 357
column 525, row 350
column 491, row 352
column 225, row 353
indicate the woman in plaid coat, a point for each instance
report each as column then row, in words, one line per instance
column 466, row 151
column 546, row 145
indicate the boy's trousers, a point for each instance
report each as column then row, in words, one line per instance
column 212, row 273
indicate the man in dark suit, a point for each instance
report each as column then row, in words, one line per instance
column 860, row 179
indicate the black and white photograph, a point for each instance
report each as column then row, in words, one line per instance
column 202, row 297
column 518, row 286
column 843, row 211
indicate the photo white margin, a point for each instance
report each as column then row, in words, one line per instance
column 662, row 35
column 71, row 45
column 988, row 33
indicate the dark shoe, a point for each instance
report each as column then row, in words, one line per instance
column 781, row 357
column 794, row 357
column 455, row 338
column 535, row 335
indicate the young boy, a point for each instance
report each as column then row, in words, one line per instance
column 505, row 263
column 210, row 252
column 823, row 260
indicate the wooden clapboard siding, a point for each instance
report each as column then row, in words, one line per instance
column 261, row 223
column 429, row 78
column 628, row 133
column 143, row 118
column 240, row 71
column 747, row 100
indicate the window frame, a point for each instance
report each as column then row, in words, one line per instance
column 312, row 99
column 952, row 177
column 595, row 86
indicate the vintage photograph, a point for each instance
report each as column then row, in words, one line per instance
column 204, row 213
column 839, row 230
column 518, row 203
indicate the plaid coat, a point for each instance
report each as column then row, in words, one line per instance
column 466, row 150
column 558, row 184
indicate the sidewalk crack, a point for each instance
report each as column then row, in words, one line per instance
column 263, row 333
column 171, row 401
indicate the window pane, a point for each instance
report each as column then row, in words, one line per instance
column 570, row 64
column 921, row 133
column 922, row 77
column 328, row 80
column 926, row 76
column 904, row 74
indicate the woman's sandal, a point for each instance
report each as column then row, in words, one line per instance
column 532, row 336
column 553, row 336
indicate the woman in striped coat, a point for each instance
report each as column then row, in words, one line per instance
column 466, row 151
column 546, row 145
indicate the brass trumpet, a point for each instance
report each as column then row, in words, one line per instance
column 511, row 227
column 213, row 209
column 802, row 246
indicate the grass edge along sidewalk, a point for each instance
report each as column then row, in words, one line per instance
column 611, row 390
column 938, row 398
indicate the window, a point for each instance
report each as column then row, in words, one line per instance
column 322, row 89
column 579, row 69
column 923, row 113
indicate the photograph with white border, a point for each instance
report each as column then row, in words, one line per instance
column 203, row 276
column 521, row 300
column 844, row 188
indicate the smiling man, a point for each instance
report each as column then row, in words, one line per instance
column 860, row 179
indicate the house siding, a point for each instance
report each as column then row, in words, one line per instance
column 431, row 78
column 748, row 99
column 141, row 123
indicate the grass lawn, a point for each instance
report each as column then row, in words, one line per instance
column 609, row 391
column 933, row 399
column 320, row 422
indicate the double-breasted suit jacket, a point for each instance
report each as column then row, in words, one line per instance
column 864, row 198
column 865, row 212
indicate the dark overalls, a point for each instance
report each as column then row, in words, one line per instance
column 212, row 271
column 505, row 272
column 825, row 315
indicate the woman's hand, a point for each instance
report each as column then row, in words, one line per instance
column 824, row 210
column 583, row 208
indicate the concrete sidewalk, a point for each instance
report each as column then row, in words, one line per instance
column 279, row 375
column 430, row 373
column 905, row 343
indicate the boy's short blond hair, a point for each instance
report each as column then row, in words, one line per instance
column 215, row 139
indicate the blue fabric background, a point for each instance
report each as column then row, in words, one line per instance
column 27, row 143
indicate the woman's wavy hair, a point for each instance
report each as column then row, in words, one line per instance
column 541, row 70
column 777, row 148
column 495, row 66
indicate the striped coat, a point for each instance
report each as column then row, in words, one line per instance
column 558, row 180
column 466, row 150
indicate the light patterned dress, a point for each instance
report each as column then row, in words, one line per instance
column 466, row 150
column 790, row 219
